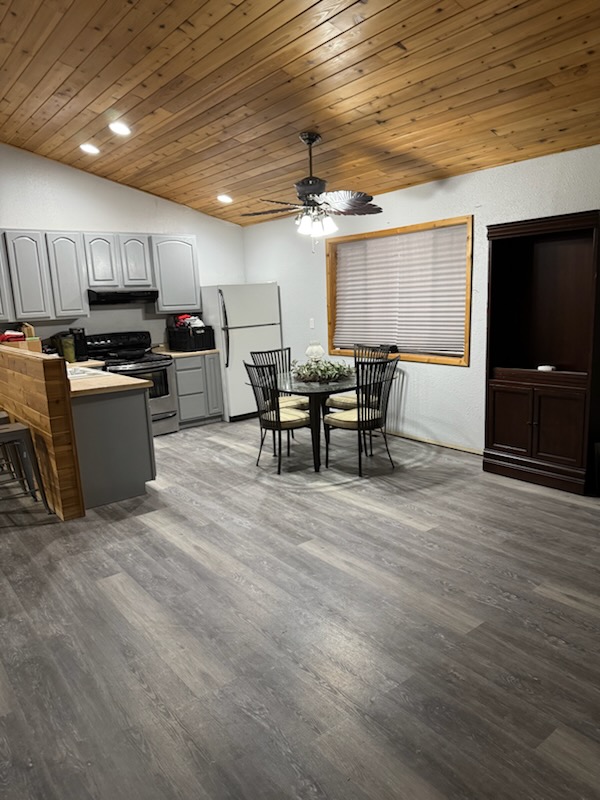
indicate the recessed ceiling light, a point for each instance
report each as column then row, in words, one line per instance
column 224, row 198
column 119, row 128
column 89, row 148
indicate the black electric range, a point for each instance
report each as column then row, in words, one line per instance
column 128, row 351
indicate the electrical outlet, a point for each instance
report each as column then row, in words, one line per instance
column 311, row 322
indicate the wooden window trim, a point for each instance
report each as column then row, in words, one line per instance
column 331, row 265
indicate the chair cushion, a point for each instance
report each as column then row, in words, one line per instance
column 349, row 418
column 290, row 418
column 292, row 401
column 344, row 401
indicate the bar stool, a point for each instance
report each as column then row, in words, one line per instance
column 6, row 464
column 17, row 449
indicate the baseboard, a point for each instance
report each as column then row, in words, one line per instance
column 475, row 452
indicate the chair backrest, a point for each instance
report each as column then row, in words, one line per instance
column 364, row 352
column 263, row 379
column 373, row 383
column 281, row 358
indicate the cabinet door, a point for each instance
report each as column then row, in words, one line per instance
column 134, row 255
column 7, row 312
column 509, row 418
column 176, row 268
column 214, row 388
column 191, row 388
column 29, row 274
column 559, row 425
column 102, row 260
column 191, row 381
column 67, row 264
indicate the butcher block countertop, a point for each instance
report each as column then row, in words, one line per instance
column 181, row 353
column 106, row 382
column 92, row 363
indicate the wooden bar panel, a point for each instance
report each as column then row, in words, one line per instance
column 35, row 390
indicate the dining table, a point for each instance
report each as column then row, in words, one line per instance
column 317, row 394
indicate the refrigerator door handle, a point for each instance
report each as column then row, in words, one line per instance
column 225, row 326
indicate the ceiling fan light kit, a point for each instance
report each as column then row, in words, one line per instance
column 315, row 204
column 313, row 222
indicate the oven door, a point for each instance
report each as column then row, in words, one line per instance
column 162, row 394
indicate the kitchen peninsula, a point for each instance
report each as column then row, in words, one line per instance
column 92, row 434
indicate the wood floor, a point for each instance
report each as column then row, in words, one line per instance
column 426, row 633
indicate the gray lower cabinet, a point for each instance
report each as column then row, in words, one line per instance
column 199, row 388
column 115, row 447
column 29, row 274
column 214, row 385
column 67, row 273
column 176, row 270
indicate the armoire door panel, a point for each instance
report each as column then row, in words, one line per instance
column 509, row 419
column 559, row 425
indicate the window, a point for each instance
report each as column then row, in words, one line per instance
column 409, row 287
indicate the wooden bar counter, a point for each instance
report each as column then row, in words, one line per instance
column 92, row 435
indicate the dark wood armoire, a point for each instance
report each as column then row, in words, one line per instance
column 543, row 310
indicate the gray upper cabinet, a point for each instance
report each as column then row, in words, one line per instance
column 102, row 260
column 176, row 268
column 67, row 265
column 30, row 275
column 136, row 267
column 7, row 312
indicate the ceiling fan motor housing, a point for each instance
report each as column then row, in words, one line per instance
column 310, row 185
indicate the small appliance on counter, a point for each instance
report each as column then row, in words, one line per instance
column 71, row 344
column 79, row 343
column 187, row 333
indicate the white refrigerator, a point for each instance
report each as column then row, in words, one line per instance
column 245, row 317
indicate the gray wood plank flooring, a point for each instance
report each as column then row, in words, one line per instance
column 426, row 633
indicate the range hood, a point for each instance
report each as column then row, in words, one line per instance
column 112, row 297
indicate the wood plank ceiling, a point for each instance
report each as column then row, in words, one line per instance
column 217, row 91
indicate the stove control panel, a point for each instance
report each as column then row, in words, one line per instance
column 121, row 340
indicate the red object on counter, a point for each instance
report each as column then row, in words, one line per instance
column 12, row 337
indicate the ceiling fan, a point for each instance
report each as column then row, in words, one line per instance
column 315, row 204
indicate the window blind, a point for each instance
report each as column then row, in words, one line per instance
column 407, row 289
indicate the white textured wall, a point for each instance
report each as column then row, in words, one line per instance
column 41, row 194
column 440, row 403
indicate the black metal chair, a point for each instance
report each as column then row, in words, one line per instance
column 373, row 383
column 364, row 352
column 282, row 359
column 271, row 415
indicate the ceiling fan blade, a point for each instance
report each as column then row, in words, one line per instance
column 291, row 210
column 347, row 202
column 279, row 202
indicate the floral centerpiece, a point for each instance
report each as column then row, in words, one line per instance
column 321, row 371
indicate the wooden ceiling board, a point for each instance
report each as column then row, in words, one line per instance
column 261, row 132
column 217, row 92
